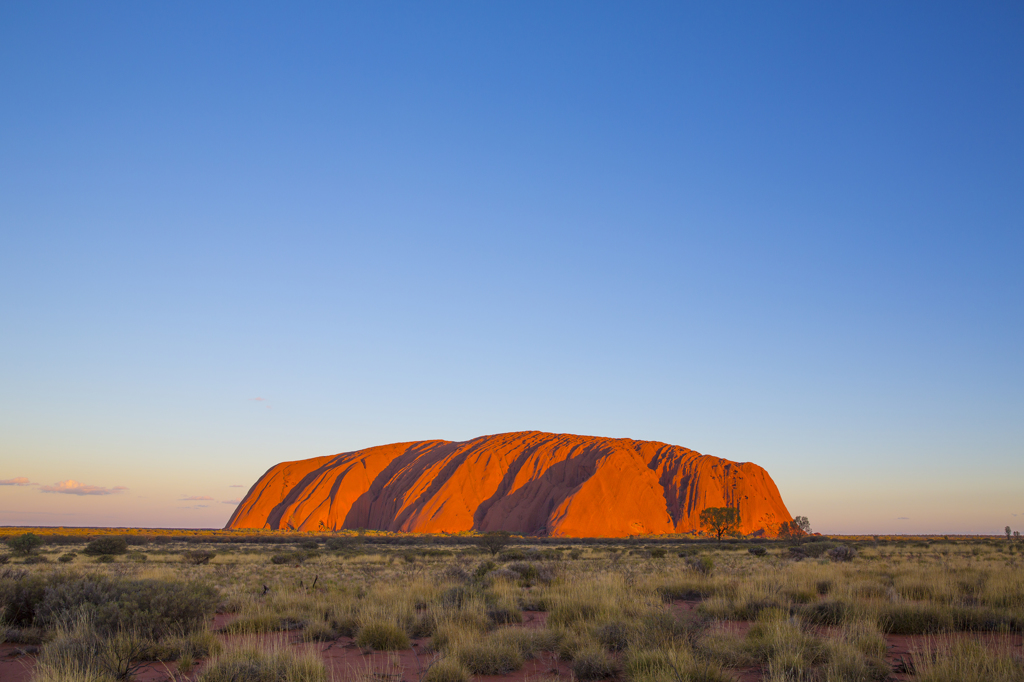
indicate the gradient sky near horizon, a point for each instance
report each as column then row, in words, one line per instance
column 233, row 234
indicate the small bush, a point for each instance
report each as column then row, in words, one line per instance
column 107, row 545
column 382, row 636
column 319, row 632
column 915, row 619
column 489, row 657
column 455, row 573
column 198, row 557
column 447, row 670
column 828, row 612
column 504, row 615
column 484, row 568
column 658, row 553
column 592, row 663
column 758, row 551
column 614, row 636
column 137, row 557
column 842, row 553
column 105, row 559
column 67, row 558
column 36, row 559
column 703, row 564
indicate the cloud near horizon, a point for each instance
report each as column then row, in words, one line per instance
column 20, row 480
column 230, row 501
column 70, row 487
column 196, row 498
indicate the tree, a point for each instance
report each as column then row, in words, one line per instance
column 721, row 520
column 795, row 529
column 26, row 543
column 494, row 542
column 1008, row 533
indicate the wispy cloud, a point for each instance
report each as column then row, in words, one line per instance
column 70, row 487
column 196, row 498
column 21, row 480
column 902, row 518
column 230, row 501
column 242, row 486
column 195, row 506
column 260, row 400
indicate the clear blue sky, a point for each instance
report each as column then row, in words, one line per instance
column 233, row 234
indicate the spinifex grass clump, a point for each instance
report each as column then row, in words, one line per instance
column 382, row 635
column 260, row 663
column 942, row 660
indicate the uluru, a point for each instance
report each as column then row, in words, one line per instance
column 529, row 483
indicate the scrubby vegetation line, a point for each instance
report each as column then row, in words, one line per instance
column 637, row 609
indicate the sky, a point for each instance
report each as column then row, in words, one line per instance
column 239, row 233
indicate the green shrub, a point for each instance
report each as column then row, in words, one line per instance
column 382, row 636
column 67, row 558
column 484, row 568
column 108, row 545
column 26, row 543
column 36, row 559
column 137, row 557
column 489, row 657
column 151, row 608
column 758, row 551
column 447, row 670
column 198, row 557
column 658, row 553
column 592, row 663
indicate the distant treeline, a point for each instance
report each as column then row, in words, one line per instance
column 377, row 538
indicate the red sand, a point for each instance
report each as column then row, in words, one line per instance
column 530, row 483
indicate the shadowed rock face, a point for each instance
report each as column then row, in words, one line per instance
column 526, row 483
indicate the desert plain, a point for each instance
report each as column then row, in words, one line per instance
column 214, row 606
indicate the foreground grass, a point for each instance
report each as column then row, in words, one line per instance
column 608, row 608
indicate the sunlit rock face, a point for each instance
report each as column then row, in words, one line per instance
column 530, row 483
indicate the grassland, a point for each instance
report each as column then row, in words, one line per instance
column 217, row 606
